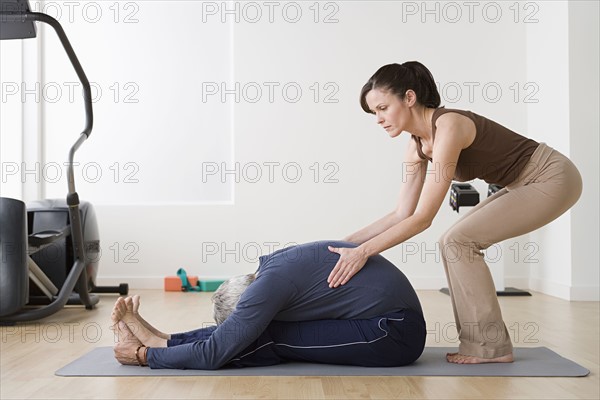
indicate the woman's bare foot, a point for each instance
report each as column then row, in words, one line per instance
column 457, row 358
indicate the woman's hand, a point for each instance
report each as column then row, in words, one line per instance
column 351, row 261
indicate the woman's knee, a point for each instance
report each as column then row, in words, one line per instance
column 448, row 237
column 457, row 245
column 460, row 232
column 453, row 237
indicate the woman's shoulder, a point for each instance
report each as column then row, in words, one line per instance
column 453, row 116
column 463, row 124
column 443, row 110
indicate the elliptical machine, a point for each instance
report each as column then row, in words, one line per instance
column 53, row 243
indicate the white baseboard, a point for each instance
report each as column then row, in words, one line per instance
column 550, row 288
column 139, row 282
column 135, row 282
column 585, row 293
column 567, row 292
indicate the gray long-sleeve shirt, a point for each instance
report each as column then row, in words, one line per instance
column 291, row 285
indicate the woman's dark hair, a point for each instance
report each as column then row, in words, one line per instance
column 398, row 78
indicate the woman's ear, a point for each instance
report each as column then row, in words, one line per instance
column 410, row 97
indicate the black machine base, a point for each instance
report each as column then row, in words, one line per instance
column 37, row 301
column 74, row 300
column 508, row 291
column 122, row 289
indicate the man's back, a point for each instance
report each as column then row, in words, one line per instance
column 378, row 288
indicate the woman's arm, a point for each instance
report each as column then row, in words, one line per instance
column 454, row 133
column 413, row 177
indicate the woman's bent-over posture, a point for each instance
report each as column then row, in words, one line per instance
column 539, row 185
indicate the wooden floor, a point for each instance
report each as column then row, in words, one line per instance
column 31, row 353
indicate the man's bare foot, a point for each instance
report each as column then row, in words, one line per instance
column 126, row 347
column 138, row 329
column 118, row 311
column 457, row 358
column 136, row 306
column 124, row 334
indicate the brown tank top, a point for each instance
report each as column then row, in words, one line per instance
column 497, row 154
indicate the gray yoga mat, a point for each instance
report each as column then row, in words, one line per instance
column 535, row 361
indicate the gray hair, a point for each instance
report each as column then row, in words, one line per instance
column 227, row 296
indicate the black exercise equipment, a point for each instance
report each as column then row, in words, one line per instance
column 493, row 189
column 463, row 195
column 53, row 243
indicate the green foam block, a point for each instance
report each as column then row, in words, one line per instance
column 209, row 285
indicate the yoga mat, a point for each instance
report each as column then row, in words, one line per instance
column 535, row 361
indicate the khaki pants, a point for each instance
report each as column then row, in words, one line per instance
column 545, row 189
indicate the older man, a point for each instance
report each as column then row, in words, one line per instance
column 287, row 311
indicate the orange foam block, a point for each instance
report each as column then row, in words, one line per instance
column 173, row 283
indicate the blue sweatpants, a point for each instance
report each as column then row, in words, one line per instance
column 391, row 340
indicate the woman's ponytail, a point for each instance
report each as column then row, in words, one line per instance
column 398, row 78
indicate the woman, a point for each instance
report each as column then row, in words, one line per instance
column 539, row 184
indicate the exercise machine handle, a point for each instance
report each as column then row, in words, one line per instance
column 87, row 92
column 28, row 16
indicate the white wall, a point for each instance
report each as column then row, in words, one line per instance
column 146, row 62
column 11, row 123
column 562, row 56
column 548, row 119
column 584, row 143
column 21, row 119
column 350, row 171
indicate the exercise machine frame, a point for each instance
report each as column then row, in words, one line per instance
column 17, row 22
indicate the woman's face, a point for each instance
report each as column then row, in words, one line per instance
column 390, row 112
